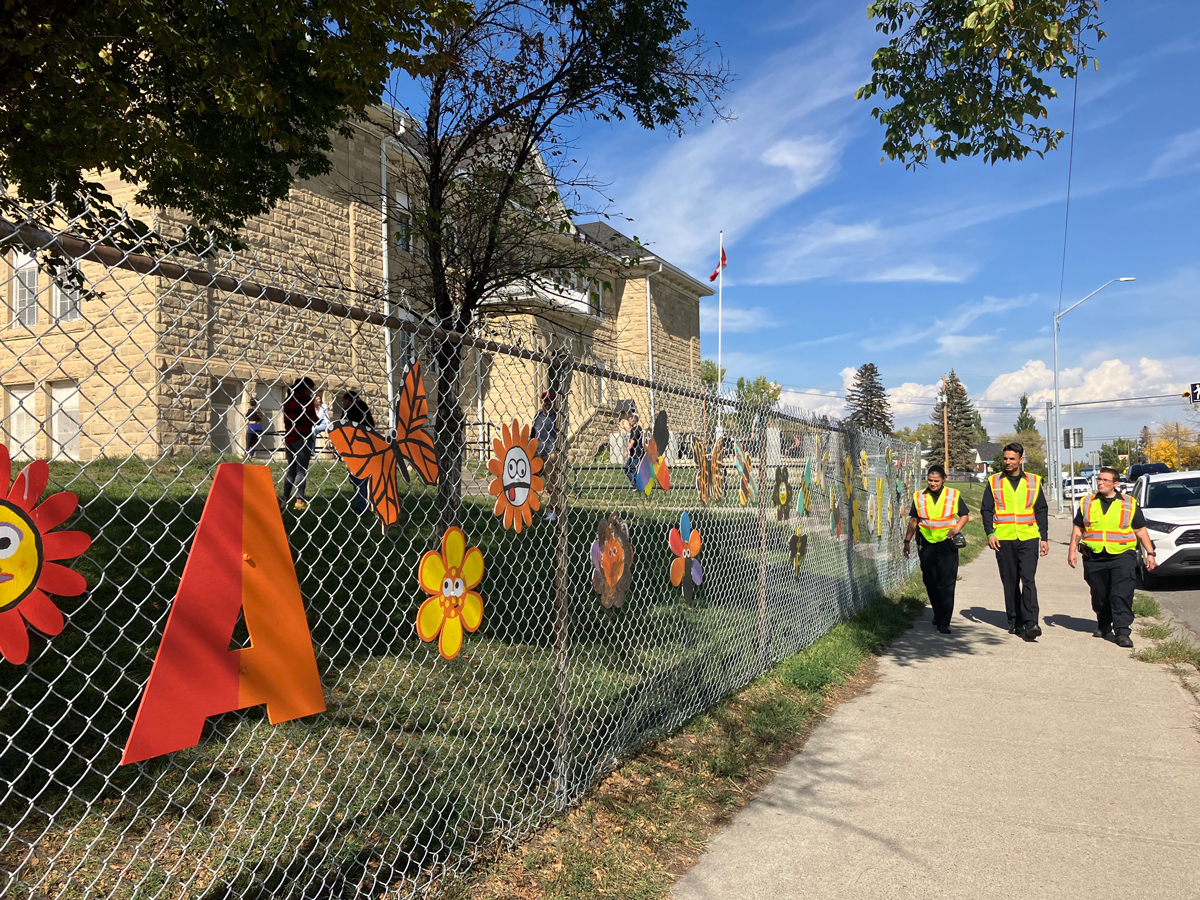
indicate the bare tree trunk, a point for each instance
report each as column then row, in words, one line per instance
column 449, row 437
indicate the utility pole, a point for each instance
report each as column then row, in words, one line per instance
column 1178, row 457
column 945, row 426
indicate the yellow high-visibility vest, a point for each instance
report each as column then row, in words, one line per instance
column 1014, row 519
column 1110, row 531
column 935, row 518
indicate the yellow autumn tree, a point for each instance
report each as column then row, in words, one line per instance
column 1176, row 445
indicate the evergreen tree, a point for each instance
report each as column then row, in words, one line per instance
column 1025, row 419
column 979, row 434
column 867, row 403
column 962, row 418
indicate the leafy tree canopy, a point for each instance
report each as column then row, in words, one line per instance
column 708, row 374
column 969, row 77
column 922, row 434
column 759, row 392
column 1035, row 451
column 211, row 108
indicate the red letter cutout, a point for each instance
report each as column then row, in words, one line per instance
column 240, row 560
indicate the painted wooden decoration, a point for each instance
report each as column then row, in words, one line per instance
column 848, row 475
column 864, row 469
column 880, row 503
column 449, row 578
column 239, row 562
column 855, row 519
column 798, row 548
column 612, row 561
column 371, row 456
column 685, row 568
column 517, row 483
column 710, row 479
column 28, row 553
column 748, row 490
column 835, row 515
column 820, row 461
column 804, row 503
column 653, row 468
column 783, row 494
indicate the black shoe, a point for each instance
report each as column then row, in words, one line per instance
column 944, row 629
column 1013, row 629
column 1101, row 633
column 1033, row 631
column 1124, row 640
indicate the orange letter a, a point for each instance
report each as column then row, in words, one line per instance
column 240, row 560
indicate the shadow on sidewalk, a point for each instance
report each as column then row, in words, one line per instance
column 983, row 616
column 1071, row 623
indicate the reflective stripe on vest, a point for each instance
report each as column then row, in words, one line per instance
column 935, row 518
column 1110, row 531
column 1014, row 519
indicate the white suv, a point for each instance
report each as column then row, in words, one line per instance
column 1171, row 504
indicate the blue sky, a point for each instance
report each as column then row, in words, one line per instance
column 836, row 259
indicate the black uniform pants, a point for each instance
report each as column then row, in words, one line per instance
column 1018, row 567
column 939, row 571
column 1112, row 580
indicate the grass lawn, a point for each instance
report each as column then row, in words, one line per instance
column 417, row 760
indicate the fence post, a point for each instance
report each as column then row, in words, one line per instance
column 764, row 636
column 560, row 371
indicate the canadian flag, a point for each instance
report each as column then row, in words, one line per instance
column 720, row 266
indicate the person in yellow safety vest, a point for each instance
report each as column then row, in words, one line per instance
column 1017, row 521
column 1109, row 524
column 937, row 515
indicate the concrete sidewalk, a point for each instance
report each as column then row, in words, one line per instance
column 982, row 766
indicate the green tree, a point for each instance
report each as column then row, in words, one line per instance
column 962, row 418
column 979, row 434
column 1111, row 453
column 708, row 375
column 968, row 77
column 1025, row 419
column 1035, row 451
column 867, row 402
column 210, row 108
column 922, row 434
column 759, row 392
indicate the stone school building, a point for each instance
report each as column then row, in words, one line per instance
column 150, row 365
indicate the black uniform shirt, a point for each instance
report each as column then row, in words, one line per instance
column 936, row 495
column 1041, row 510
column 1139, row 521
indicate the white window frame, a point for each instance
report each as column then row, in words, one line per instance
column 22, row 408
column 68, row 305
column 25, row 290
column 402, row 224
column 66, row 428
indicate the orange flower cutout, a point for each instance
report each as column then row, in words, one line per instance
column 27, row 548
column 452, row 606
column 517, row 482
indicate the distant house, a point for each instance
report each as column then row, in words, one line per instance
column 985, row 454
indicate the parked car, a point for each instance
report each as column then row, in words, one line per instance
column 1076, row 487
column 1170, row 501
column 1137, row 470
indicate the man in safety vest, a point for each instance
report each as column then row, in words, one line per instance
column 1109, row 524
column 937, row 515
column 1016, row 519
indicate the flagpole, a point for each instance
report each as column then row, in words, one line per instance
column 720, row 282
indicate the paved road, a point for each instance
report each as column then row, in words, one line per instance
column 1180, row 595
column 982, row 766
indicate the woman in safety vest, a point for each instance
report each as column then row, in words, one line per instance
column 1109, row 524
column 937, row 515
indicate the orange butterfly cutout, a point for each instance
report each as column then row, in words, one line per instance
column 371, row 456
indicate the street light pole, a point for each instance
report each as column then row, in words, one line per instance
column 1057, row 411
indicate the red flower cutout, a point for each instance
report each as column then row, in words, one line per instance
column 28, row 547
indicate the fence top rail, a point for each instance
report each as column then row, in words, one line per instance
column 78, row 248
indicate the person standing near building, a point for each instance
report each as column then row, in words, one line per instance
column 1109, row 525
column 1016, row 520
column 545, row 430
column 937, row 515
column 299, row 421
column 356, row 412
column 634, row 450
column 254, row 427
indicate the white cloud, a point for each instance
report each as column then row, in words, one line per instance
column 721, row 177
column 1110, row 379
column 819, row 403
column 733, row 318
column 1181, row 155
column 918, row 272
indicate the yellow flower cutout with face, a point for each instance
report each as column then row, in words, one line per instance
column 448, row 577
column 28, row 549
column 517, row 481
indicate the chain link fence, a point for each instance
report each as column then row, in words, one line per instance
column 135, row 375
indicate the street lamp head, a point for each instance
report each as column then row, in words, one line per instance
column 1127, row 279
